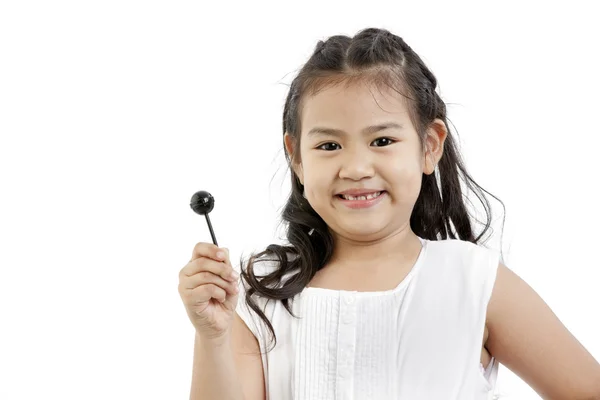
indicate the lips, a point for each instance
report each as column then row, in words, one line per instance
column 362, row 202
column 369, row 196
column 359, row 192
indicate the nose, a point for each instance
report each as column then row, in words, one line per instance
column 356, row 164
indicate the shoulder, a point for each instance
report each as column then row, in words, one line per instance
column 264, row 266
column 258, row 272
column 458, row 245
column 465, row 255
column 263, row 271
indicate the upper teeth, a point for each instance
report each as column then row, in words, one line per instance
column 368, row 196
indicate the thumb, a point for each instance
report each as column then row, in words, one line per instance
column 228, row 258
column 232, row 300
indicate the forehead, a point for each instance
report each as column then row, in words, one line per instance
column 352, row 108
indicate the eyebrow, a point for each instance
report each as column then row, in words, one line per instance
column 366, row 131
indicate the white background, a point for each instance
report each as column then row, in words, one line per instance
column 113, row 113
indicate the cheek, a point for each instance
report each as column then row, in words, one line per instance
column 407, row 179
column 316, row 182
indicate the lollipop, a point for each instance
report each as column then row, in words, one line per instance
column 202, row 203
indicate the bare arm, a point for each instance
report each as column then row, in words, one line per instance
column 214, row 375
column 231, row 371
column 527, row 337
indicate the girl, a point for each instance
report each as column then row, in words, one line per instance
column 384, row 290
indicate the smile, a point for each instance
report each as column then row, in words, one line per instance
column 365, row 197
column 361, row 201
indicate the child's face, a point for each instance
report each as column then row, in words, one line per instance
column 355, row 160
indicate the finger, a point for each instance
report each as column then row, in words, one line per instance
column 204, row 293
column 204, row 277
column 207, row 264
column 209, row 250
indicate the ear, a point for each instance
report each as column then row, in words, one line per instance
column 434, row 143
column 289, row 148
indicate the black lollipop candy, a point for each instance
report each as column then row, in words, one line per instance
column 202, row 203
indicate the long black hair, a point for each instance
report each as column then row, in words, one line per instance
column 382, row 59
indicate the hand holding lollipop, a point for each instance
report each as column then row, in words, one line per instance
column 208, row 284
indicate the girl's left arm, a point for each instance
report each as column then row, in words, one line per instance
column 529, row 339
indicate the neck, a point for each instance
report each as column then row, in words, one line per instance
column 400, row 245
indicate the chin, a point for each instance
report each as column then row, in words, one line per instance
column 362, row 229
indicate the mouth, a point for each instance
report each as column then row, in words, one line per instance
column 369, row 196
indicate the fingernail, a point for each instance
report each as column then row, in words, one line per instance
column 220, row 255
column 235, row 275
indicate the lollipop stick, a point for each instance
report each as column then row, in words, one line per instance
column 212, row 233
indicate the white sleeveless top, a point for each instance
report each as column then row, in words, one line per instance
column 420, row 340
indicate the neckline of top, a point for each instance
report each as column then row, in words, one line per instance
column 336, row 292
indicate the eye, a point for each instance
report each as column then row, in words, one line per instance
column 328, row 143
column 386, row 139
